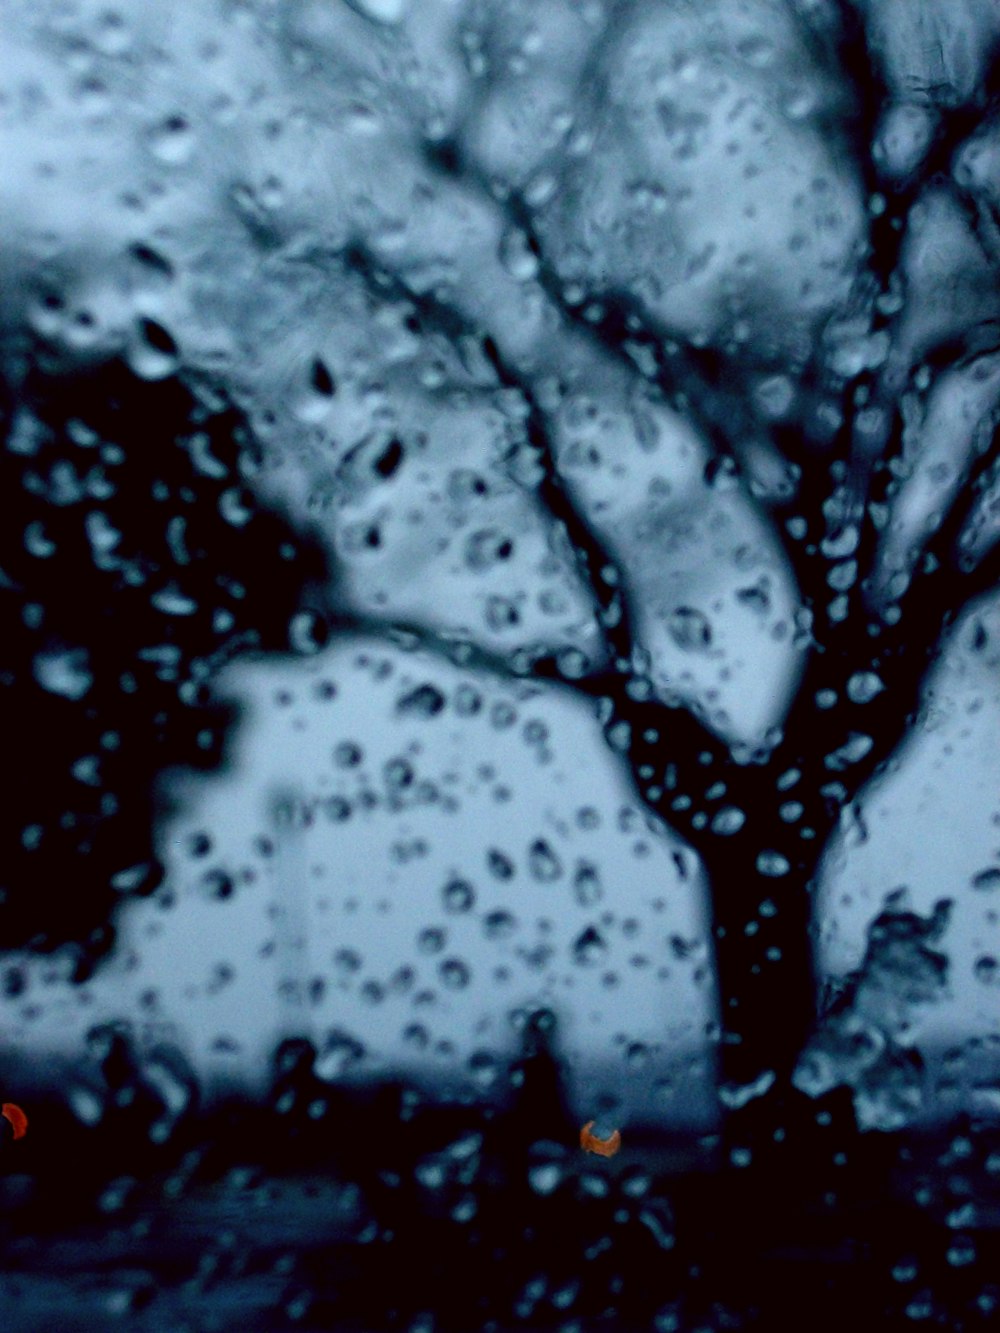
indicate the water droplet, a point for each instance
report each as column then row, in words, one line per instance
column 172, row 140
column 863, row 686
column 545, row 1178
column 431, row 940
column 152, row 352
column 773, row 864
column 503, row 715
column 458, row 895
column 587, row 887
column 851, row 752
column 454, row 974
column 985, row 969
column 487, row 547
column 500, row 866
column 321, row 379
column 172, row 602
column 417, row 1036
column 728, row 820
column 140, row 878
column 736, row 1095
column 216, row 884
column 86, row 1105
column 465, row 1210
column 388, row 461
column 337, row 1055
column 638, row 1054
column 589, row 948
column 689, row 629
column 166, row 1071
column 398, row 774
column 308, row 632
column 655, row 1217
column 517, row 256
column 311, row 400
column 148, row 267
column 501, row 614
column 543, row 863
column 348, row 754
column 499, row 925
column 346, row 962
column 199, row 844
column 425, row 701
column 64, row 673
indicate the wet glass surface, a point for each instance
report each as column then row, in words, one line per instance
column 500, row 587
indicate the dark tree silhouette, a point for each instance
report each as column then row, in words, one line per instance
column 868, row 654
column 865, row 620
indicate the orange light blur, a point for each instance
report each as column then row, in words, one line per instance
column 603, row 1147
column 18, row 1120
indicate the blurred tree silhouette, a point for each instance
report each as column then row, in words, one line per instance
column 835, row 350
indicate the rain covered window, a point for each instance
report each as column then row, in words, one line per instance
column 500, row 569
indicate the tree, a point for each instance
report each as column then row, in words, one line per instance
column 885, row 550
column 797, row 366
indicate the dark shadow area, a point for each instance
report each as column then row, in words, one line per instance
column 134, row 562
column 342, row 1208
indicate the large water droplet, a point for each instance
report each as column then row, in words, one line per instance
column 543, row 863
column 152, row 352
column 689, row 629
column 727, row 821
column 590, row 948
column 64, row 673
column 339, row 1053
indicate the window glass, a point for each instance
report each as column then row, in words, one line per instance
column 499, row 567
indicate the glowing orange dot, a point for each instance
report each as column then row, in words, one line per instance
column 603, row 1147
column 18, row 1120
